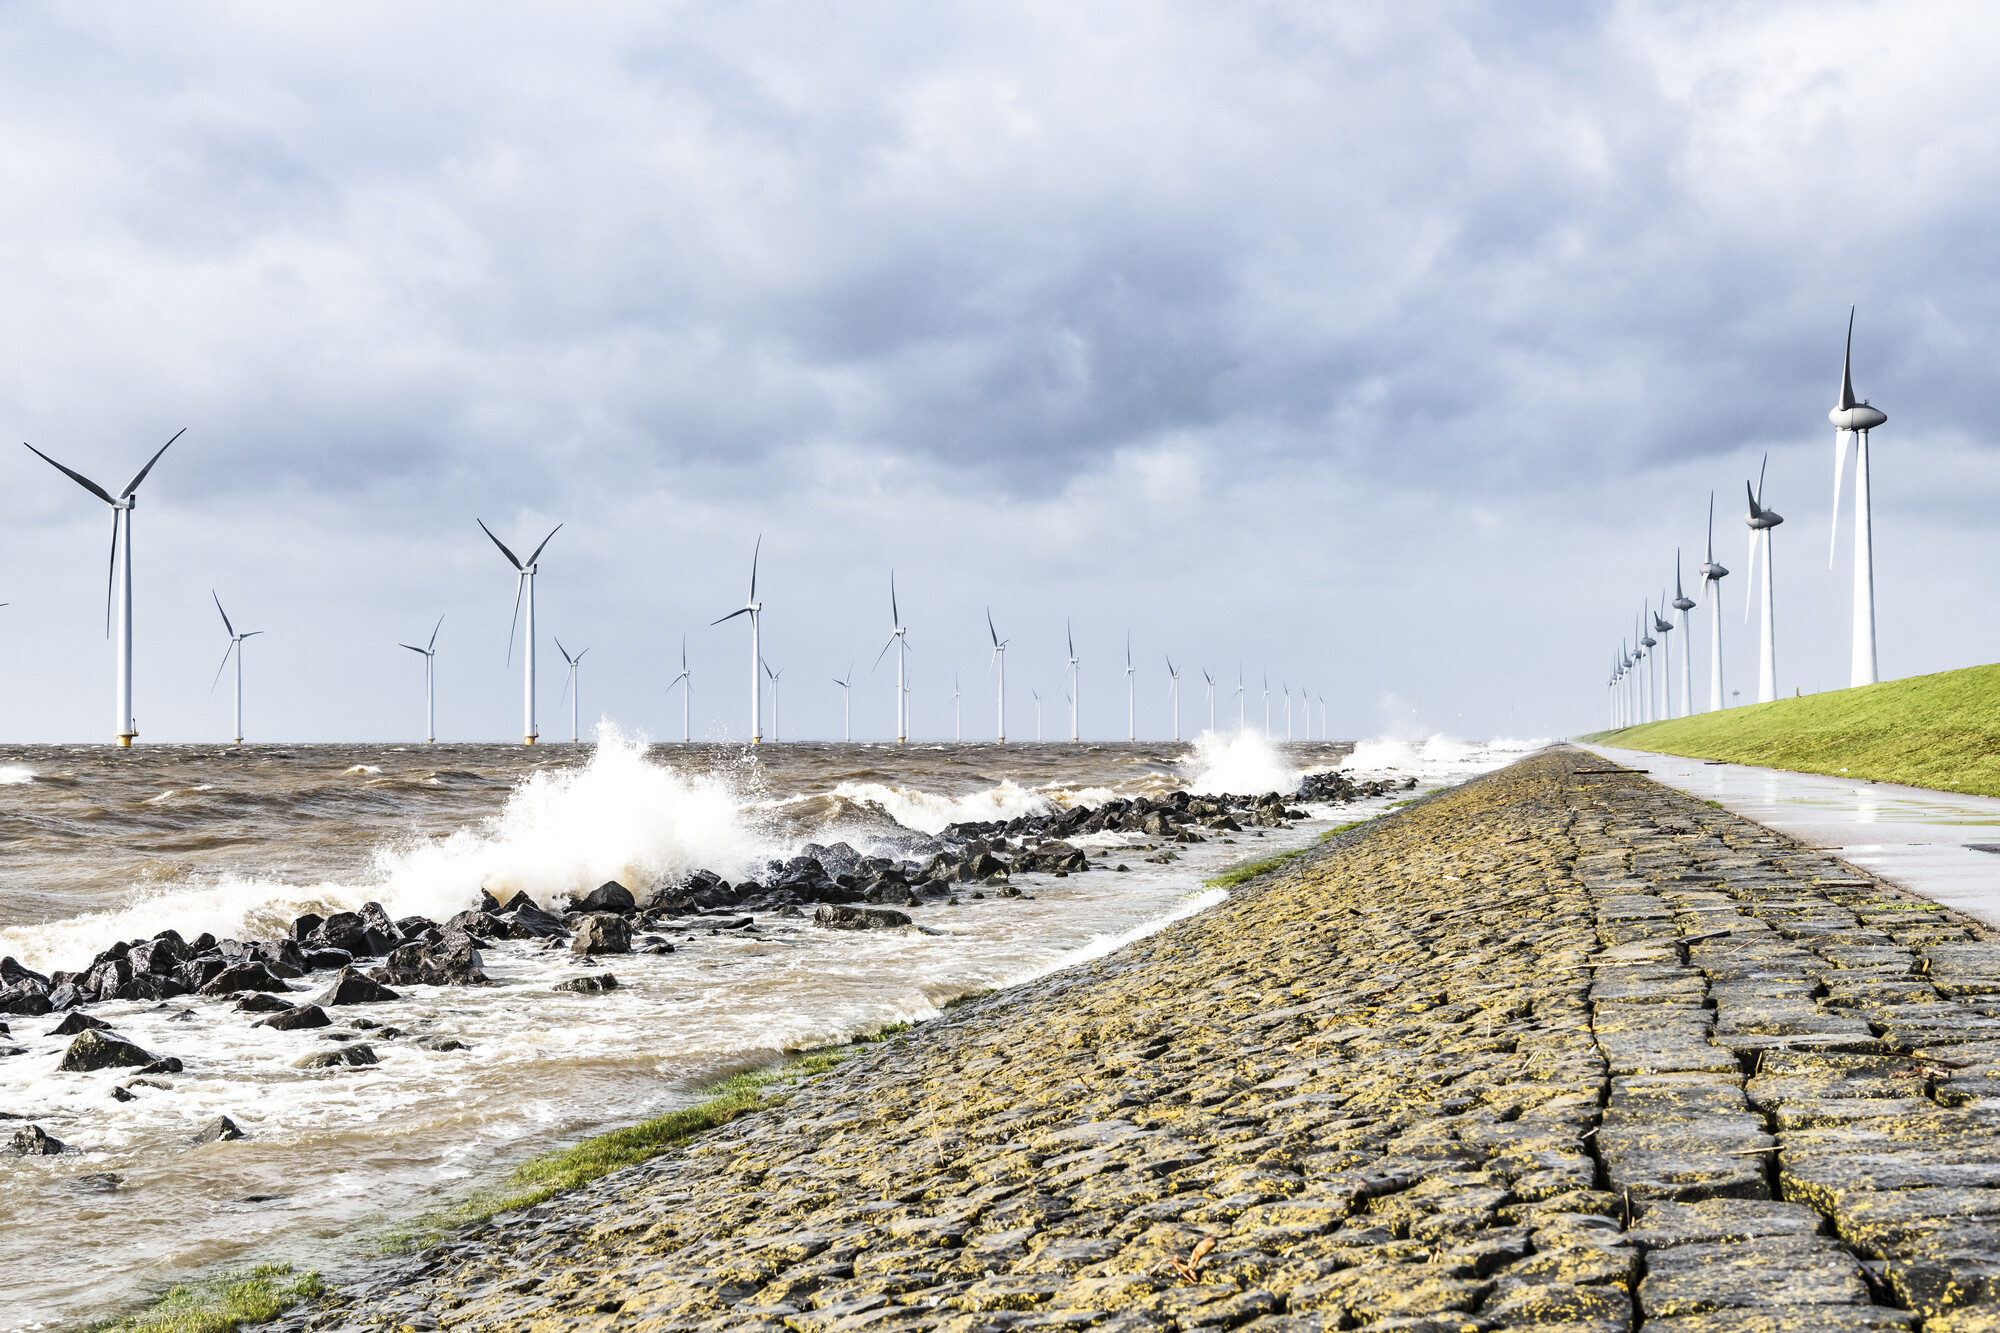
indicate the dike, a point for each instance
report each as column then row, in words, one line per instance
column 1560, row 1047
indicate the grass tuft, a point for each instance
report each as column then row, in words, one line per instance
column 1940, row 731
column 222, row 1303
column 1243, row 874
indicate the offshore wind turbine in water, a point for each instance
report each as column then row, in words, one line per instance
column 773, row 676
column 1210, row 679
column 755, row 610
column 572, row 685
column 686, row 681
column 900, row 641
column 1174, row 692
column 1075, row 678
column 524, row 586
column 999, row 659
column 429, row 653
column 1712, row 576
column 236, row 647
column 846, row 684
column 1761, row 521
column 118, row 590
column 1131, row 704
column 1851, row 423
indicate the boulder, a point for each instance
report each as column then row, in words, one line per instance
column 409, row 927
column 281, row 958
column 985, row 865
column 601, row 932
column 432, row 1041
column 101, row 1049
column 151, row 986
column 588, row 985
column 328, row 960
column 292, row 1020
column 106, row 976
column 517, row 902
column 487, row 902
column 160, row 955
column 352, row 987
column 348, row 1056
column 892, row 891
column 68, row 996
column 30, row 1141
column 261, row 1002
column 199, row 971
column 74, row 1023
column 452, row 961
column 377, row 919
column 303, row 928
column 168, row 1065
column 610, row 896
column 244, row 976
column 29, row 1000
column 342, row 930
column 219, row 1130
column 840, row 916
column 531, row 922
column 12, row 974
column 481, row 925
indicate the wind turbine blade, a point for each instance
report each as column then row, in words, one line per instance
column 1711, row 527
column 111, row 574
column 225, row 662
column 520, row 585
column 127, row 493
column 684, row 654
column 1750, row 583
column 497, row 542
column 249, row 634
column 1839, row 466
column 224, row 614
column 1071, row 637
column 895, row 616
column 564, row 651
column 74, row 476
column 1846, row 361
column 1760, row 479
column 413, row 648
column 744, row 611
column 755, row 552
column 885, row 651
column 434, row 633
column 545, row 541
column 989, row 628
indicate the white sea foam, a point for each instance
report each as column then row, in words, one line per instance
column 362, row 768
column 1242, row 764
column 931, row 812
column 1435, row 758
column 13, row 775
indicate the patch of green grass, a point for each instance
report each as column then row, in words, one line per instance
column 221, row 1303
column 1940, row 731
column 967, row 998
column 1242, row 874
column 1339, row 829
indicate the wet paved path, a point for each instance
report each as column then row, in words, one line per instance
column 1560, row 1048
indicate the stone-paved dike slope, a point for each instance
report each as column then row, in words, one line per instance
column 1558, row 1048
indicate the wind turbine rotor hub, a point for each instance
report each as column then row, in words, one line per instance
column 1859, row 417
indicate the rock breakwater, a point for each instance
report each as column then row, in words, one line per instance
column 1558, row 1048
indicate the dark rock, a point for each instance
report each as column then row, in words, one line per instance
column 169, row 1065
column 281, row 958
column 409, row 927
column 452, row 961
column 247, row 976
column 151, row 986
column 75, row 1023
column 161, row 955
column 303, row 928
column 292, row 1020
column 487, row 902
column 101, row 1182
column 434, row 1042
column 95, row 1050
column 840, row 916
column 352, row 987
column 610, row 896
column 29, row 1000
column 349, row 1056
column 260, row 1002
column 321, row 960
column 516, row 903
column 198, row 972
column 119, row 1094
column 201, row 944
column 588, row 985
column 342, row 930
column 30, row 1141
column 985, row 865
column 482, row 925
column 602, row 932
column 219, row 1130
column 892, row 891
column 377, row 919
column 12, row 974
column 531, row 922
column 106, row 976
column 68, row 996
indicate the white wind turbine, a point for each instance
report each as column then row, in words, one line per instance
column 118, row 589
column 1038, row 711
column 957, row 731
column 236, row 647
column 571, row 678
column 999, row 659
column 899, row 640
column 1852, row 421
column 1241, row 723
column 1131, row 707
column 1174, row 689
column 1648, row 642
column 846, row 703
column 1665, row 628
column 1322, row 717
column 1286, row 687
column 1760, row 521
column 1712, row 576
column 776, row 734
column 524, row 583
column 1267, row 705
column 686, row 681
column 1684, row 604
column 755, row 610
column 429, row 654
column 1076, row 679
column 1210, row 679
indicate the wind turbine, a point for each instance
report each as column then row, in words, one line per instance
column 1241, row 724
column 686, row 681
column 1854, row 420
column 118, row 588
column 573, row 677
column 525, row 583
column 1663, row 627
column 236, row 647
column 1211, row 697
column 428, row 653
column 1322, row 717
column 1684, row 604
column 1642, row 680
column 1712, row 576
column 899, row 640
column 957, row 731
column 1131, row 708
column 846, row 703
column 1286, row 687
column 1174, row 689
column 776, row 735
column 755, row 610
column 1760, row 521
column 999, row 658
column 1038, row 711
column 1076, row 679
column 1267, row 705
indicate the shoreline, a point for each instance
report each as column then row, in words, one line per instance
column 1557, row 1045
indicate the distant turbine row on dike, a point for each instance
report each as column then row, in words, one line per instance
column 1641, row 681
column 118, row 625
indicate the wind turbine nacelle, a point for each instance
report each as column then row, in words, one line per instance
column 1768, row 518
column 1859, row 417
column 1684, row 603
column 1711, row 570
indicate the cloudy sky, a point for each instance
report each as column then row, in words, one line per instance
column 1388, row 349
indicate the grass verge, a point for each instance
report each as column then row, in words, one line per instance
column 1243, row 874
column 221, row 1303
column 1940, row 731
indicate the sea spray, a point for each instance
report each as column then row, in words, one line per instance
column 1241, row 764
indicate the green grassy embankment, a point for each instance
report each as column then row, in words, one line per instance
column 1939, row 731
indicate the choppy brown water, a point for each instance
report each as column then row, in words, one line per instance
column 96, row 846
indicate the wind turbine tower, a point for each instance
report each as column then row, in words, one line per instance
column 1684, row 604
column 1267, row 705
column 1038, row 711
column 899, row 640
column 755, row 610
column 118, row 594
column 429, row 654
column 236, row 647
column 1853, row 421
column 1241, row 723
column 999, row 659
column 1075, row 680
column 846, row 703
column 1648, row 642
column 1131, row 707
column 686, row 681
column 1174, row 689
column 1712, row 576
column 1664, row 627
column 776, row 735
column 1761, row 521
column 957, row 730
column 572, row 685
column 524, row 584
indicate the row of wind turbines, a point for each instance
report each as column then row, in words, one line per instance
column 1641, row 682
column 118, row 625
